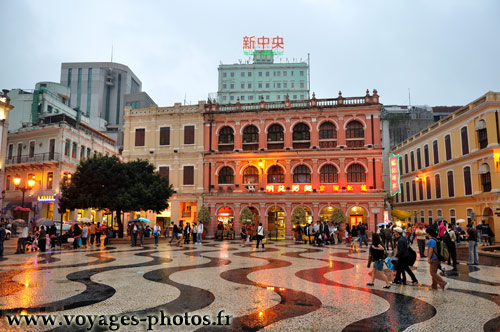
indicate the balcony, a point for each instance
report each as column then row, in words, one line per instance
column 36, row 158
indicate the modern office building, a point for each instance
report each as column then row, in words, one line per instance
column 47, row 148
column 273, row 158
column 451, row 169
column 98, row 90
column 171, row 138
column 263, row 79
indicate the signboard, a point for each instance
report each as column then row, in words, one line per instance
column 394, row 173
column 49, row 198
column 308, row 188
column 265, row 45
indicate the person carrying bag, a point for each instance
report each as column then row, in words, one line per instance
column 260, row 235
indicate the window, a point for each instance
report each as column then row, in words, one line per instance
column 164, row 135
column 422, row 216
column 11, row 149
column 426, row 156
column 451, row 184
column 437, row 183
column 469, row 215
column 284, row 73
column 412, row 161
column 140, row 134
column 467, row 181
column 406, row 163
column 429, row 214
column 301, row 73
column 419, row 159
column 447, row 146
column 250, row 97
column 226, row 139
column 7, row 183
column 260, row 85
column 66, row 148
column 328, row 174
column 275, row 174
column 188, row 176
column 301, row 132
column 439, row 212
column 482, row 135
column 486, row 181
column 224, row 98
column 251, row 175
column 224, row 74
column 242, row 98
column 249, row 85
column 421, row 190
column 20, row 151
column 435, row 151
column 88, row 153
column 267, row 87
column 285, row 85
column 250, row 138
column 32, row 149
column 408, row 197
column 302, row 85
column 164, row 172
column 400, row 165
column 242, row 74
column 275, row 133
column 278, row 85
column 465, row 140
column 73, row 151
column 301, row 174
column 267, row 97
column 453, row 219
column 50, row 180
column 267, row 73
column 231, row 85
column 226, row 175
column 413, row 190
column 224, row 86
column 356, row 173
column 232, row 74
column 249, row 74
column 355, row 134
column 188, row 134
column 260, row 74
column 82, row 152
column 327, row 135
column 428, row 186
column 402, row 194
column 231, row 98
column 242, row 85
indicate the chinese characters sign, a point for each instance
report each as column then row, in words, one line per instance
column 265, row 45
column 308, row 188
column 394, row 173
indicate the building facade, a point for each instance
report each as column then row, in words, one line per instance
column 5, row 108
column 98, row 90
column 171, row 138
column 273, row 158
column 262, row 79
column 451, row 169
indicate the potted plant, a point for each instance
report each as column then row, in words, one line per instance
column 338, row 216
column 246, row 218
column 298, row 217
column 204, row 218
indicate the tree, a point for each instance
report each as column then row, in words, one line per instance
column 338, row 216
column 246, row 216
column 204, row 215
column 105, row 182
column 299, row 216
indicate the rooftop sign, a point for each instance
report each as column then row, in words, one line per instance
column 265, row 45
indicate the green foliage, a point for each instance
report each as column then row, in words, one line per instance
column 246, row 216
column 299, row 216
column 204, row 215
column 338, row 215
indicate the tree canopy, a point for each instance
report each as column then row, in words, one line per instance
column 299, row 216
column 104, row 182
column 338, row 215
column 246, row 216
column 204, row 215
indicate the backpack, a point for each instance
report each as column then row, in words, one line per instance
column 413, row 256
column 442, row 251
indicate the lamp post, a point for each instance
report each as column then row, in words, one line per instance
column 29, row 186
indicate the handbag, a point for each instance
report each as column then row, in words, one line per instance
column 264, row 241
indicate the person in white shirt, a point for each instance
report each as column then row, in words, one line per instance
column 260, row 235
column 85, row 235
column 21, row 241
column 156, row 233
column 199, row 233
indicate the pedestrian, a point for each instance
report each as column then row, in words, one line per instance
column 199, row 232
column 77, row 234
column 420, row 233
column 320, row 234
column 243, row 235
column 141, row 230
column 98, row 232
column 403, row 256
column 175, row 233
column 3, row 234
column 377, row 256
column 450, row 240
column 388, row 237
column 52, row 235
column 363, row 238
column 21, row 241
column 194, row 231
column 85, row 235
column 187, row 232
column 472, row 238
column 110, row 234
column 92, row 230
column 442, row 229
column 309, row 234
column 260, row 235
column 135, row 233
column 433, row 260
column 484, row 230
column 156, row 233
column 179, row 235
column 42, row 239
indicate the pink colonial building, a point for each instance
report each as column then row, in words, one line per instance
column 275, row 157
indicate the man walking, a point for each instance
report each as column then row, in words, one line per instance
column 472, row 238
column 3, row 233
column 388, row 238
column 21, row 241
column 199, row 233
column 403, row 256
column 92, row 230
column 420, row 233
column 362, row 235
column 175, row 233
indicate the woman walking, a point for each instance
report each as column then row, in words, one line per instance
column 378, row 260
column 260, row 235
column 179, row 235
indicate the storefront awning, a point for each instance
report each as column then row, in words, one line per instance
column 483, row 169
column 401, row 214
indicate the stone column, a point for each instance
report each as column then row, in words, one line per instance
column 341, row 132
column 237, row 176
column 288, row 220
column 368, row 130
column 238, row 138
column 314, row 133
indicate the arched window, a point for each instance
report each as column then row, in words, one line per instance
column 251, row 175
column 355, row 134
column 226, row 139
column 328, row 174
column 356, row 173
column 301, row 174
column 226, row 175
column 327, row 135
column 275, row 175
column 250, row 138
column 484, row 171
column 275, row 137
column 482, row 134
column 301, row 136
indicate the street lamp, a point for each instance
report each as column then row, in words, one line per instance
column 30, row 185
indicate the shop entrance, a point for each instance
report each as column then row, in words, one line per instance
column 357, row 215
column 225, row 218
column 326, row 213
column 276, row 222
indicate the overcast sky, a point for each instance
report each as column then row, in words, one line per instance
column 446, row 52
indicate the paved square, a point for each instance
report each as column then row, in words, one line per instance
column 287, row 287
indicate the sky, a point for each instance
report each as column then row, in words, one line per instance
column 443, row 52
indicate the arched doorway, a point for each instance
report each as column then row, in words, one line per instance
column 326, row 213
column 357, row 215
column 225, row 217
column 276, row 221
column 488, row 216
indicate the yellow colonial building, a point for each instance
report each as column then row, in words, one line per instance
column 452, row 168
column 171, row 138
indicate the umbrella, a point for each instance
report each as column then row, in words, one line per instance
column 20, row 222
column 133, row 220
column 382, row 224
column 460, row 220
column 44, row 222
column 85, row 220
column 144, row 220
column 73, row 222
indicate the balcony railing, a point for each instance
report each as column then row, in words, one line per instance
column 36, row 158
